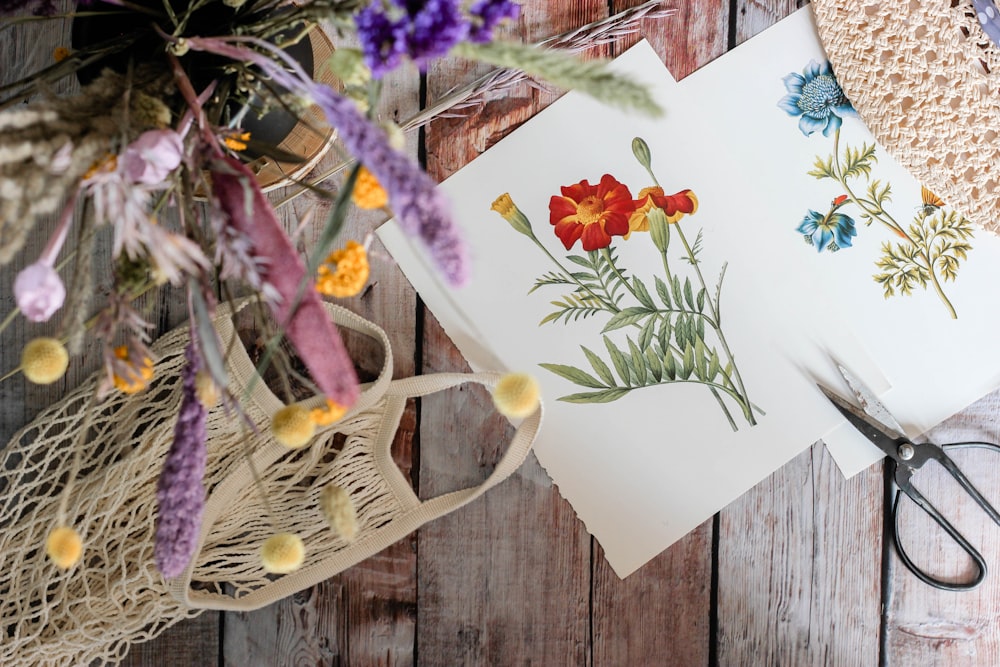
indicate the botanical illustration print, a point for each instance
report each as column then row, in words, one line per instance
column 925, row 253
column 668, row 334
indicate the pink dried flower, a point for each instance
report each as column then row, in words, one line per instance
column 150, row 158
column 39, row 291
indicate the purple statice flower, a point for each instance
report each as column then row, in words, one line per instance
column 39, row 291
column 180, row 496
column 487, row 14
column 422, row 30
column 421, row 209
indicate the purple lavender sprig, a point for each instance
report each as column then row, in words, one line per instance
column 424, row 30
column 487, row 14
column 180, row 496
column 421, row 209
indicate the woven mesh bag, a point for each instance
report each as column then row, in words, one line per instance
column 116, row 596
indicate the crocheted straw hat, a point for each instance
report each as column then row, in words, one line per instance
column 925, row 79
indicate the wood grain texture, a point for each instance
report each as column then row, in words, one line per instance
column 927, row 626
column 691, row 38
column 365, row 616
column 753, row 16
column 799, row 568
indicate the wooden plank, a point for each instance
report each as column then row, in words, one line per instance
column 661, row 613
column 799, row 568
column 505, row 580
column 366, row 615
column 691, row 38
column 927, row 626
column 752, row 16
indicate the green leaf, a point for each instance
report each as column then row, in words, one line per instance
column 600, row 367
column 663, row 292
column 688, row 294
column 670, row 365
column 681, row 331
column 858, row 161
column 576, row 259
column 654, row 365
column 642, row 295
column 618, row 359
column 606, row 396
column 663, row 335
column 638, row 362
column 208, row 339
column 700, row 360
column 701, row 300
column 626, row 318
column 678, row 294
column 574, row 375
column 687, row 364
column 718, row 294
column 646, row 335
column 821, row 168
column 713, row 366
column 552, row 278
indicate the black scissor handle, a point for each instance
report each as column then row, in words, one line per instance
column 902, row 476
column 940, row 519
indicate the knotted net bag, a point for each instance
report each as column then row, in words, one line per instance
column 115, row 596
column 925, row 79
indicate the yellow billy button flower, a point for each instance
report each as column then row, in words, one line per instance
column 328, row 414
column 139, row 377
column 339, row 511
column 293, row 426
column 44, row 360
column 368, row 192
column 348, row 274
column 516, row 395
column 509, row 211
column 282, row 553
column 64, row 547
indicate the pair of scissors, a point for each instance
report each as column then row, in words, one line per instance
column 906, row 457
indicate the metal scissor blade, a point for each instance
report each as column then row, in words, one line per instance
column 870, row 403
column 878, row 434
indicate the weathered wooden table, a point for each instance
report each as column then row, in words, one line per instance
column 797, row 572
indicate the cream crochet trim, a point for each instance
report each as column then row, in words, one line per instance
column 925, row 79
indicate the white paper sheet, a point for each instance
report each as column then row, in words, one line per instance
column 644, row 470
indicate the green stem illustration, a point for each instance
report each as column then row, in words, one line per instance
column 877, row 212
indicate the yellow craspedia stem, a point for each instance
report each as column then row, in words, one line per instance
column 293, row 426
column 368, row 192
column 516, row 395
column 64, row 547
column 282, row 553
column 44, row 360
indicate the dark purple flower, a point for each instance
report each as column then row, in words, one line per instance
column 383, row 41
column 180, row 496
column 420, row 29
column 486, row 14
column 434, row 27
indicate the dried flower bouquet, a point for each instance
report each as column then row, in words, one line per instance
column 155, row 146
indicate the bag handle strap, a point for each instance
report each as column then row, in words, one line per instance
column 513, row 457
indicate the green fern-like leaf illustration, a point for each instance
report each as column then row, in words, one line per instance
column 901, row 269
column 858, row 161
column 823, row 168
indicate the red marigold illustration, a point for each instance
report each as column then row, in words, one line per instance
column 593, row 213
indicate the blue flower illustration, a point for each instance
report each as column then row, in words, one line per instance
column 816, row 96
column 832, row 231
